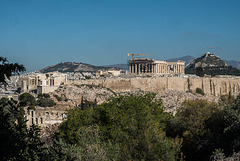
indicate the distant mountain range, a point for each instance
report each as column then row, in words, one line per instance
column 120, row 66
column 187, row 59
column 233, row 63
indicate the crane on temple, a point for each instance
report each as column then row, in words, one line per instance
column 133, row 54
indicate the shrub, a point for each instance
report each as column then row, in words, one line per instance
column 58, row 98
column 44, row 95
column 199, row 91
column 87, row 77
column 27, row 99
column 31, row 108
column 46, row 102
column 226, row 100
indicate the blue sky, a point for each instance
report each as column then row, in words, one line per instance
column 38, row 33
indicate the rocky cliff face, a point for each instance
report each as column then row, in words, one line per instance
column 172, row 99
column 72, row 95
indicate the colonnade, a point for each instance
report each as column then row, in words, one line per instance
column 138, row 68
column 157, row 67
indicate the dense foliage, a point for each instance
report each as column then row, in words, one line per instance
column 44, row 100
column 199, row 72
column 224, row 127
column 206, row 127
column 26, row 99
column 189, row 124
column 16, row 140
column 132, row 125
column 213, row 71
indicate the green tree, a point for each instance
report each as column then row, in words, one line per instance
column 88, row 147
column 199, row 91
column 189, row 123
column 224, row 128
column 199, row 71
column 135, row 124
column 7, row 69
column 226, row 100
column 26, row 99
column 16, row 141
column 45, row 102
column 44, row 95
column 87, row 104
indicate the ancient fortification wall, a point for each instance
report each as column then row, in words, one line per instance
column 213, row 86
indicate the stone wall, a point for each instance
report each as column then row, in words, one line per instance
column 213, row 86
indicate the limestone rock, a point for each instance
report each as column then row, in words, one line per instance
column 73, row 94
column 172, row 99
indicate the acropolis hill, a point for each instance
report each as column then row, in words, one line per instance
column 144, row 74
column 91, row 83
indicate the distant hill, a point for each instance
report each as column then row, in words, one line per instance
column 187, row 59
column 120, row 66
column 74, row 67
column 210, row 64
column 207, row 60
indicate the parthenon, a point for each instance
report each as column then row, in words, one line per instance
column 151, row 66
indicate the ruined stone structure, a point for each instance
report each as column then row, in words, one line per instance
column 42, row 83
column 213, row 86
column 44, row 116
column 150, row 66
